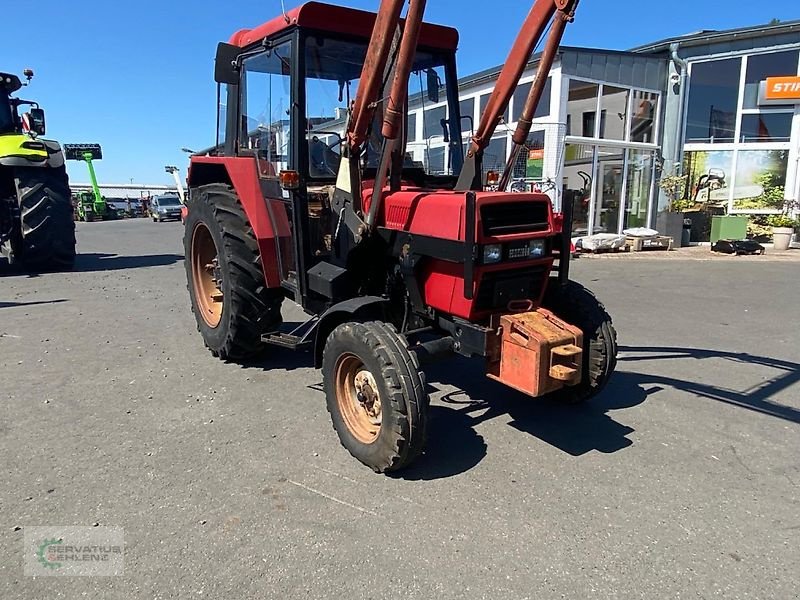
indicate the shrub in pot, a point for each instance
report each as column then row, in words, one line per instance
column 782, row 230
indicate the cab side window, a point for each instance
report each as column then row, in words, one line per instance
column 265, row 128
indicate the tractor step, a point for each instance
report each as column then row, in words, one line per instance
column 287, row 340
column 300, row 338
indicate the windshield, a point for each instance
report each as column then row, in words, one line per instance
column 6, row 114
column 333, row 70
column 169, row 202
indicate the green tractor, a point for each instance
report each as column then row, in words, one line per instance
column 37, row 230
column 89, row 205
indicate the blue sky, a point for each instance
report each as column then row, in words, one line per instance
column 138, row 77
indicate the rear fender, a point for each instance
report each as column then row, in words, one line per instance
column 241, row 173
column 354, row 309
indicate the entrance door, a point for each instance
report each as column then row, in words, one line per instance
column 608, row 191
column 638, row 188
column 577, row 180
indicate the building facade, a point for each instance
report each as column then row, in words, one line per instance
column 611, row 123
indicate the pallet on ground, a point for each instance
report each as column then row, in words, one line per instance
column 640, row 244
column 603, row 250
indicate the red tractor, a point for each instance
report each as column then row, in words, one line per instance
column 319, row 190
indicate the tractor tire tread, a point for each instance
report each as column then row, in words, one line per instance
column 254, row 308
column 579, row 306
column 402, row 437
column 46, row 219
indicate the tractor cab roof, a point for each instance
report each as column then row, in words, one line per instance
column 339, row 20
column 9, row 83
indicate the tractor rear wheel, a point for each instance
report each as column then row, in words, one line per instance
column 47, row 241
column 375, row 394
column 230, row 300
column 580, row 307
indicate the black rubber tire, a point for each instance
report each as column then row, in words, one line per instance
column 249, row 308
column 46, row 219
column 578, row 306
column 402, row 388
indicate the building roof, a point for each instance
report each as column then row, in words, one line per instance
column 126, row 190
column 489, row 75
column 711, row 36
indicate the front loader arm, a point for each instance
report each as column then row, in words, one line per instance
column 532, row 30
column 386, row 38
column 370, row 84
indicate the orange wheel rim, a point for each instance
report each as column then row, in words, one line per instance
column 358, row 398
column 206, row 276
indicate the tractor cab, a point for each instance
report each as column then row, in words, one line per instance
column 8, row 85
column 11, row 122
column 284, row 103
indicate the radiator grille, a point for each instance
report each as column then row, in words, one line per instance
column 514, row 217
column 498, row 288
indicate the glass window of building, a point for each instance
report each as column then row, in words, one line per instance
column 766, row 127
column 709, row 176
column 577, row 183
column 530, row 160
column 643, row 114
column 494, row 157
column 588, row 120
column 434, row 160
column 614, row 113
column 521, row 95
column 713, row 101
column 608, row 189
column 483, row 102
column 760, row 179
column 411, row 126
column 761, row 66
column 467, row 109
column 637, row 188
column 432, row 122
column 582, row 108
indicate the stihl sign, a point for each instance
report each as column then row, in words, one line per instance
column 780, row 90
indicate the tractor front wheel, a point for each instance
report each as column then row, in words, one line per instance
column 230, row 300
column 47, row 224
column 580, row 307
column 375, row 394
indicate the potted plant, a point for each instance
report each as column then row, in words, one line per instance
column 670, row 222
column 782, row 230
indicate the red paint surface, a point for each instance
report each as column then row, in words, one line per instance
column 441, row 214
column 243, row 174
column 338, row 19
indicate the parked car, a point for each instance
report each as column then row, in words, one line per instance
column 165, row 207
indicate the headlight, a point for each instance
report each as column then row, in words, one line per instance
column 536, row 249
column 492, row 253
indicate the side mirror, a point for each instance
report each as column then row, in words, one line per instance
column 35, row 121
column 225, row 69
column 432, row 84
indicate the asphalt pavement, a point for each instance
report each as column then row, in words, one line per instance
column 682, row 480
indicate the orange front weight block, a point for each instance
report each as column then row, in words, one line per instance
column 536, row 352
